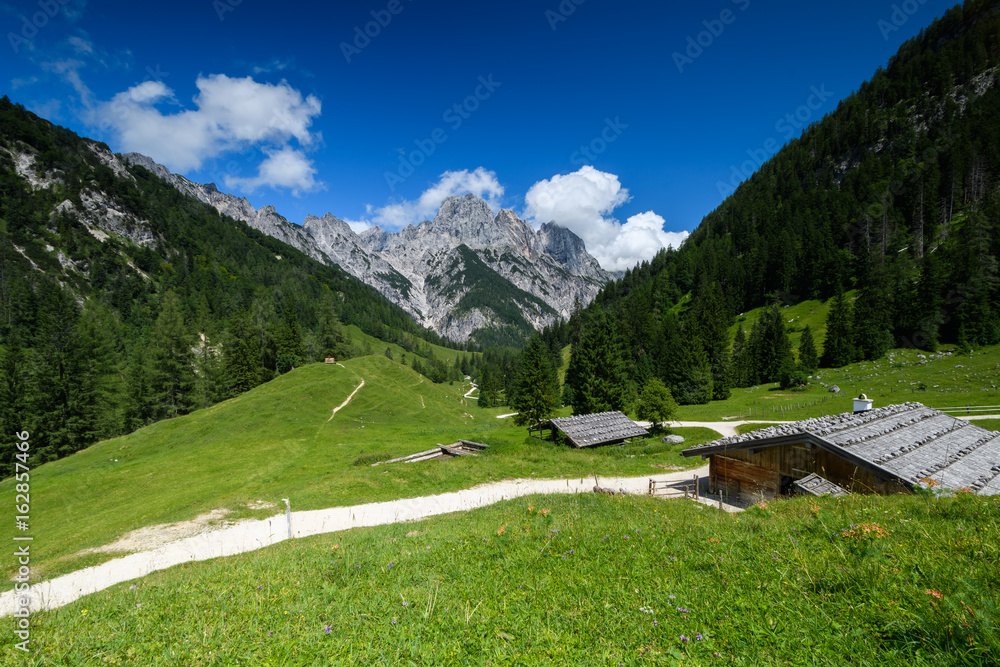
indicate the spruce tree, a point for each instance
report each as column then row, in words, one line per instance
column 596, row 370
column 808, row 358
column 712, row 327
column 693, row 375
column 172, row 360
column 871, row 327
column 740, row 363
column 537, row 390
column 838, row 348
column 241, row 355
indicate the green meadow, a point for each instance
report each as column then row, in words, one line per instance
column 575, row 580
column 282, row 440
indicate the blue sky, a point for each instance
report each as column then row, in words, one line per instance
column 625, row 121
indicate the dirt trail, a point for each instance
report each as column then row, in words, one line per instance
column 251, row 535
column 347, row 400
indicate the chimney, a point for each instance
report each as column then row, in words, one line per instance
column 862, row 404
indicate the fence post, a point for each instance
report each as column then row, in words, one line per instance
column 696, row 487
column 288, row 516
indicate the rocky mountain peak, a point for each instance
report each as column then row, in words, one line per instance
column 461, row 215
column 328, row 226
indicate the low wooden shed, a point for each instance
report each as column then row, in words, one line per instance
column 602, row 428
column 886, row 450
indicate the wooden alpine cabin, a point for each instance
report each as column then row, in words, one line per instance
column 887, row 450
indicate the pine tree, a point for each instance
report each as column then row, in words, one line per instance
column 241, row 355
column 741, row 362
column 53, row 374
column 693, row 375
column 808, row 357
column 596, row 370
column 537, row 385
column 13, row 400
column 331, row 339
column 98, row 392
column 712, row 327
column 288, row 341
column 172, row 361
column 871, row 327
column 139, row 410
column 838, row 348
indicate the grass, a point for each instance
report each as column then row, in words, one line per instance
column 989, row 424
column 939, row 381
column 582, row 580
column 279, row 441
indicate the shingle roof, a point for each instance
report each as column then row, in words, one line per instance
column 597, row 429
column 819, row 486
column 908, row 441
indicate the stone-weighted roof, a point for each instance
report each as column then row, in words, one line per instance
column 597, row 429
column 909, row 441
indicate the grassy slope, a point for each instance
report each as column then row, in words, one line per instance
column 813, row 313
column 595, row 581
column 949, row 381
column 278, row 441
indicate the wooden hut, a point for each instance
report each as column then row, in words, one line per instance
column 886, row 450
column 603, row 428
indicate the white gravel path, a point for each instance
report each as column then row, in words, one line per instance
column 252, row 535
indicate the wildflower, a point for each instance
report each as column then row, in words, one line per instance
column 328, row 629
column 935, row 593
column 394, row 620
column 655, row 624
column 684, row 610
column 685, row 639
column 336, row 546
column 544, row 511
column 671, row 597
column 531, row 508
column 406, row 604
column 697, row 637
column 269, row 633
column 132, row 587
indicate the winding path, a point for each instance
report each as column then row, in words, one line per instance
column 252, row 535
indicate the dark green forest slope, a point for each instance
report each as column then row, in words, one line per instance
column 123, row 301
column 894, row 194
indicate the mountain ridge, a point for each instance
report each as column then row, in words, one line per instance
column 544, row 274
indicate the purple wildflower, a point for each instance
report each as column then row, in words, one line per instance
column 328, row 629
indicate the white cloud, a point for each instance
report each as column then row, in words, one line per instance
column 481, row 182
column 358, row 226
column 285, row 168
column 583, row 202
column 81, row 45
column 231, row 114
column 69, row 70
column 639, row 239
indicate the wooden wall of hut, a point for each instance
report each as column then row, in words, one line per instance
column 769, row 472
